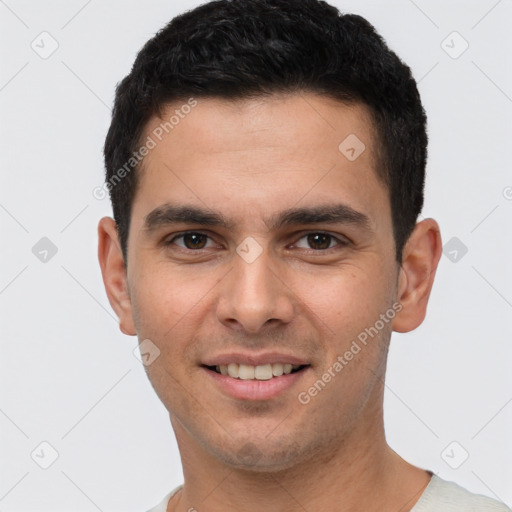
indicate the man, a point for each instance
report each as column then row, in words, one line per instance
column 266, row 164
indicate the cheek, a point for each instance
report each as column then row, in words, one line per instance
column 168, row 309
column 349, row 305
column 346, row 301
column 166, row 302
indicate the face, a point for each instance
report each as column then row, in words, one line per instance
column 257, row 245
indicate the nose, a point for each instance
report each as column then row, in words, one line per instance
column 253, row 296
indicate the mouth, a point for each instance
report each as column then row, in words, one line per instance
column 252, row 376
column 259, row 372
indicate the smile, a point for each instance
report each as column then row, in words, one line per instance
column 260, row 372
column 255, row 382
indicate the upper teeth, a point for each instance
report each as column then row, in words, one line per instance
column 261, row 372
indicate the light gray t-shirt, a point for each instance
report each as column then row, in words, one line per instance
column 438, row 496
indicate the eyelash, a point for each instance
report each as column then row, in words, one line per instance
column 339, row 242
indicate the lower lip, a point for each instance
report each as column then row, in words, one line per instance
column 255, row 389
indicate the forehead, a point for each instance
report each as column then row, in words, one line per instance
column 295, row 121
column 261, row 155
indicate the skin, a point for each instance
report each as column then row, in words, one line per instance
column 250, row 160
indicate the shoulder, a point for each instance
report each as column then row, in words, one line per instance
column 162, row 506
column 450, row 497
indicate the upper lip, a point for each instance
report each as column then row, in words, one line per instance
column 253, row 359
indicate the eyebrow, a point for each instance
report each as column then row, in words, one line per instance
column 171, row 214
column 324, row 214
column 168, row 214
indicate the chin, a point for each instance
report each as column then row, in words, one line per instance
column 257, row 457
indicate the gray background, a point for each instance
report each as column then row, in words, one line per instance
column 69, row 377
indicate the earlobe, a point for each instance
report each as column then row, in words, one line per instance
column 421, row 256
column 113, row 271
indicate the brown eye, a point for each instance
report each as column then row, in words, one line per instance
column 194, row 240
column 319, row 241
column 191, row 241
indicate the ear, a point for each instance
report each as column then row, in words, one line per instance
column 420, row 258
column 114, row 274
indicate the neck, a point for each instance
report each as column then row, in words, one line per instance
column 359, row 472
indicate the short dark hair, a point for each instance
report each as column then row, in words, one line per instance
column 235, row 49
